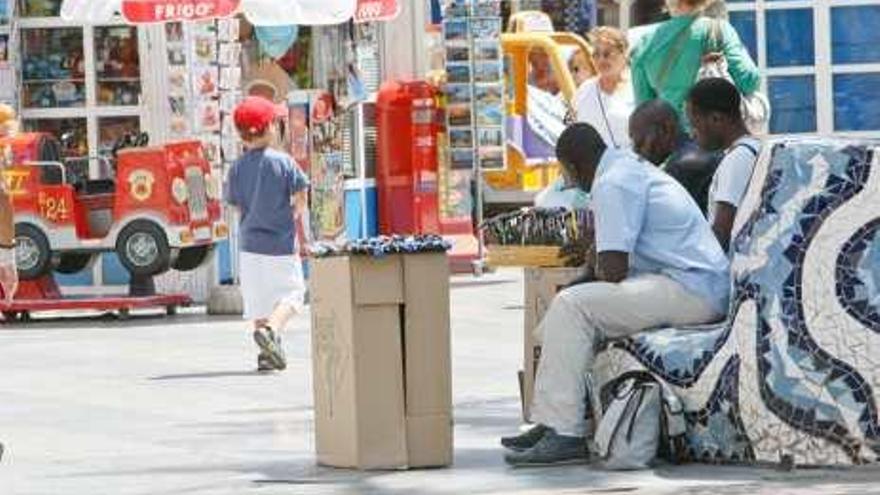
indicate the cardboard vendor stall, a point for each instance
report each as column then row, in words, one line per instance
column 381, row 360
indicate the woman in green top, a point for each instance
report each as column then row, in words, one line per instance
column 666, row 60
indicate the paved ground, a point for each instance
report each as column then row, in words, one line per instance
column 171, row 406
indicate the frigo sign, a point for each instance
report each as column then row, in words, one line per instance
column 149, row 11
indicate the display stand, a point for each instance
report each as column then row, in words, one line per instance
column 475, row 115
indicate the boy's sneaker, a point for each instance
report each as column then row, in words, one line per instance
column 270, row 346
column 264, row 364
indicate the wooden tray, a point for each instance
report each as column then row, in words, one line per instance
column 535, row 256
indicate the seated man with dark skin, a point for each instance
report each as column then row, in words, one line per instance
column 658, row 264
column 664, row 144
column 656, row 136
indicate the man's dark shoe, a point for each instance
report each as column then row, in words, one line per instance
column 270, row 346
column 525, row 441
column 551, row 450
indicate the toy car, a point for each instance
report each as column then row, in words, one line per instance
column 162, row 209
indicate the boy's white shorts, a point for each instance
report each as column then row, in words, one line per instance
column 267, row 281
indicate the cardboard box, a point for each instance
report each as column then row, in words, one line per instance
column 381, row 359
column 541, row 286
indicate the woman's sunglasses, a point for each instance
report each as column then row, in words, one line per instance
column 605, row 53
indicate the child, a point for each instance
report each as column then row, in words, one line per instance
column 269, row 189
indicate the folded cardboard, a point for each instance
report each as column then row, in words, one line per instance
column 381, row 358
column 427, row 360
column 541, row 286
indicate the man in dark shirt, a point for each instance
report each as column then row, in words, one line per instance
column 657, row 136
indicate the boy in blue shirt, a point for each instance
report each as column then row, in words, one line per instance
column 270, row 191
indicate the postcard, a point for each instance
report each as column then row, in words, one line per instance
column 459, row 115
column 462, row 158
column 490, row 115
column 458, row 73
column 487, row 72
column 458, row 93
column 489, row 94
column 490, row 137
column 486, row 29
column 455, row 30
column 492, row 158
column 458, row 54
column 461, row 138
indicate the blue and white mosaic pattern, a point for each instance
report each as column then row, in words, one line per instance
column 794, row 369
column 858, row 276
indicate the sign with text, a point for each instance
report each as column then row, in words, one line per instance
column 376, row 10
column 150, row 11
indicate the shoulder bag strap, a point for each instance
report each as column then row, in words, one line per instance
column 714, row 43
column 605, row 114
column 674, row 54
column 748, row 147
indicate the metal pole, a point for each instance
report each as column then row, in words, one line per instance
column 624, row 12
column 362, row 173
column 478, row 264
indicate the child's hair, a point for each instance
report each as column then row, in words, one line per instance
column 610, row 36
column 250, row 134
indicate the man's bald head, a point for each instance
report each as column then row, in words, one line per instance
column 654, row 130
column 653, row 112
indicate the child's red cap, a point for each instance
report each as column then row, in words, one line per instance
column 255, row 113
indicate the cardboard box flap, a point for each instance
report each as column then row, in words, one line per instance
column 333, row 363
column 381, row 425
column 427, row 339
column 377, row 280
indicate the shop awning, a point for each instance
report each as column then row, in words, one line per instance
column 258, row 12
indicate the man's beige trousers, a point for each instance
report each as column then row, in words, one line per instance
column 582, row 317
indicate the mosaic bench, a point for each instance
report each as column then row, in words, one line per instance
column 792, row 374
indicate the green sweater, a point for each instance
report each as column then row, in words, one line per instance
column 654, row 50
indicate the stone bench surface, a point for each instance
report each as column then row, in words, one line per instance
column 793, row 372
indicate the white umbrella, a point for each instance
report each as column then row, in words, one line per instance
column 299, row 12
column 258, row 12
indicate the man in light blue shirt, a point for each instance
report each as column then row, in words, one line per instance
column 644, row 213
column 658, row 264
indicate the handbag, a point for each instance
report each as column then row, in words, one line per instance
column 755, row 107
column 642, row 419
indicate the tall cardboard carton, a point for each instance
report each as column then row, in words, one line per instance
column 427, row 358
column 541, row 286
column 381, row 359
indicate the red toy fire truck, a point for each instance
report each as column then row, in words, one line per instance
column 162, row 209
